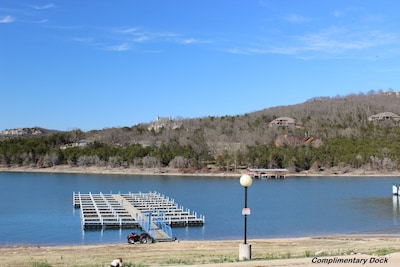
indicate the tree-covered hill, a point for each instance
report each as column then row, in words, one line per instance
column 327, row 133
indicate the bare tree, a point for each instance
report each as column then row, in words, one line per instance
column 114, row 161
column 150, row 162
column 179, row 162
column 50, row 160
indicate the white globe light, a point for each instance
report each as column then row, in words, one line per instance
column 246, row 180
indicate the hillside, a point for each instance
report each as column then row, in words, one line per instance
column 322, row 117
column 350, row 132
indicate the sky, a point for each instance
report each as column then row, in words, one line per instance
column 98, row 64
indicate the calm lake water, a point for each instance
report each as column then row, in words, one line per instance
column 37, row 209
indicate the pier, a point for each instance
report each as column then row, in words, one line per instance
column 268, row 173
column 151, row 212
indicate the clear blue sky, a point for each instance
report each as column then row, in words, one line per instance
column 99, row 64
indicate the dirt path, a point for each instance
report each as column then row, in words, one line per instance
column 265, row 252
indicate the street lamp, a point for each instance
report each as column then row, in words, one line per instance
column 245, row 249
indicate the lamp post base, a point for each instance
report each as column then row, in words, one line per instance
column 244, row 252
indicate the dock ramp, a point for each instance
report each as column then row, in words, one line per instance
column 159, row 231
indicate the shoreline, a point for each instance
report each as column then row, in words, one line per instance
column 265, row 252
column 176, row 172
column 238, row 241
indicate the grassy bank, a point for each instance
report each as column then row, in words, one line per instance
column 182, row 253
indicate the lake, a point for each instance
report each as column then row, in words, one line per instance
column 36, row 208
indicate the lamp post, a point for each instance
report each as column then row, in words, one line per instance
column 245, row 249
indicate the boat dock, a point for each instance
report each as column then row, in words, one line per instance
column 152, row 212
column 163, row 208
column 267, row 173
column 102, row 210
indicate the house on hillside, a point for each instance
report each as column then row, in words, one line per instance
column 283, row 122
column 385, row 116
column 81, row 144
column 163, row 122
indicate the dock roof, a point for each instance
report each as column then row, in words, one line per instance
column 268, row 170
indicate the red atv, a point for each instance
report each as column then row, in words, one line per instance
column 135, row 238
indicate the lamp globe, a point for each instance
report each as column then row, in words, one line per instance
column 246, row 180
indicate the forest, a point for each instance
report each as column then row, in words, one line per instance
column 329, row 132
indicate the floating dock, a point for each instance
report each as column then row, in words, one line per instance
column 102, row 210
column 163, row 208
column 152, row 212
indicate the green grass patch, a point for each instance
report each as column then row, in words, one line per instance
column 385, row 251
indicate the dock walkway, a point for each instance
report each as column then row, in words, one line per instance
column 145, row 222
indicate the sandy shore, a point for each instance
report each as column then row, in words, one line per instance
column 120, row 171
column 177, row 172
column 304, row 251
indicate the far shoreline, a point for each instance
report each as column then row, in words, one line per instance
column 165, row 171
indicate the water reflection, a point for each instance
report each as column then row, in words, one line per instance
column 396, row 212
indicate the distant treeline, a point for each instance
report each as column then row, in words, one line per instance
column 348, row 140
column 378, row 151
